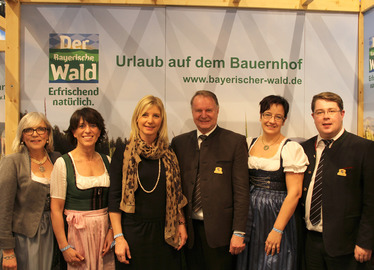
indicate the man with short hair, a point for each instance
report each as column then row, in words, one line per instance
column 338, row 191
column 214, row 171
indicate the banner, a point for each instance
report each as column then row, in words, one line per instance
column 369, row 75
column 110, row 57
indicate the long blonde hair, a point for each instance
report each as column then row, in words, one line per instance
column 143, row 105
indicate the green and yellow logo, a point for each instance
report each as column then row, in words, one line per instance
column 73, row 58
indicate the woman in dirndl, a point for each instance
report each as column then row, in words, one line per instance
column 79, row 191
column 276, row 172
column 26, row 235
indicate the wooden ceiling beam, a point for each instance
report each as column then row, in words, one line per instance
column 316, row 5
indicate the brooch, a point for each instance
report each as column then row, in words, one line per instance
column 218, row 170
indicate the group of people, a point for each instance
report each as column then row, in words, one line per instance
column 210, row 199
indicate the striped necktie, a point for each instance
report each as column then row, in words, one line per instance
column 316, row 203
column 196, row 197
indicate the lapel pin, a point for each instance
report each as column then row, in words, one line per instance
column 342, row 172
column 218, row 170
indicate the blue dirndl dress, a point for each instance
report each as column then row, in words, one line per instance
column 268, row 191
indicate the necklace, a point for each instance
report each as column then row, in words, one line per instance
column 40, row 163
column 267, row 146
column 158, row 179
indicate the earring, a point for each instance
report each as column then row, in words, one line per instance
column 22, row 143
column 47, row 142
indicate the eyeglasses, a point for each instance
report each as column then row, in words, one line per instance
column 330, row 113
column 39, row 130
column 268, row 116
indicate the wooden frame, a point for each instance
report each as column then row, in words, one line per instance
column 11, row 24
column 316, row 5
column 12, row 71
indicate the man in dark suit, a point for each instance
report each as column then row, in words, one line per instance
column 214, row 170
column 338, row 198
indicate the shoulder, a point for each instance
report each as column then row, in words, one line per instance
column 120, row 148
column 292, row 149
column 230, row 134
column 60, row 162
column 118, row 152
column 355, row 138
column 184, row 136
column 309, row 142
column 54, row 155
column 15, row 158
column 292, row 145
column 353, row 141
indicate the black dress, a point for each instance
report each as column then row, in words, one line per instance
column 144, row 230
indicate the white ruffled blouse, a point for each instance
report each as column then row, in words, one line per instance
column 294, row 158
column 59, row 184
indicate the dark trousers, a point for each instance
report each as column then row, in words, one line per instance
column 317, row 258
column 203, row 257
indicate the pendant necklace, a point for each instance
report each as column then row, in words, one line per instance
column 158, row 179
column 267, row 146
column 40, row 163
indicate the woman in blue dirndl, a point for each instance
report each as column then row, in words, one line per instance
column 276, row 169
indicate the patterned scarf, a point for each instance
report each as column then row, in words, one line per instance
column 175, row 200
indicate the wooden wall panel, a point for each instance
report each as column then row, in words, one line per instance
column 12, row 72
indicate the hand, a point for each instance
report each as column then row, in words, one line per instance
column 72, row 257
column 237, row 244
column 122, row 250
column 10, row 262
column 362, row 254
column 107, row 243
column 272, row 243
column 182, row 236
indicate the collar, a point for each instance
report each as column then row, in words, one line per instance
column 337, row 136
column 198, row 133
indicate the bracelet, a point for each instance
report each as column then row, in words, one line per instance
column 112, row 244
column 66, row 248
column 238, row 234
column 278, row 231
column 117, row 235
column 9, row 257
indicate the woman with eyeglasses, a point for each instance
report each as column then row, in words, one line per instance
column 26, row 235
column 276, row 169
column 79, row 196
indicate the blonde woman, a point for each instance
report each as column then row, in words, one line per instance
column 145, row 198
column 26, row 236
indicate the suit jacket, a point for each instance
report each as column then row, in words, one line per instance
column 347, row 193
column 224, row 182
column 22, row 199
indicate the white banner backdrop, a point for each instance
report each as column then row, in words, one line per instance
column 170, row 52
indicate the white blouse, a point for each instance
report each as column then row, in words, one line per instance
column 59, row 184
column 42, row 180
column 294, row 158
